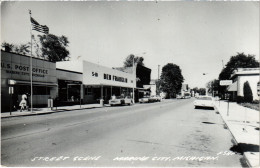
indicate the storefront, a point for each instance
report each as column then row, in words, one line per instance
column 69, row 82
column 99, row 82
column 70, row 89
column 16, row 80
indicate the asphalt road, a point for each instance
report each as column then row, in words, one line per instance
column 169, row 133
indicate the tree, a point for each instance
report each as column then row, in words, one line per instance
column 54, row 48
column 23, row 49
column 8, row 46
column 196, row 90
column 129, row 60
column 171, row 79
column 213, row 86
column 50, row 47
column 202, row 91
column 248, row 95
column 239, row 61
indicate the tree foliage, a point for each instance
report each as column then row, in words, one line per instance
column 239, row 61
column 23, row 49
column 248, row 95
column 171, row 79
column 201, row 91
column 9, row 46
column 213, row 86
column 54, row 48
column 129, row 60
column 50, row 47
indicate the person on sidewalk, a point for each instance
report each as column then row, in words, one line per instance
column 23, row 105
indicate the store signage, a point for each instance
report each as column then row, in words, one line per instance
column 225, row 82
column 11, row 90
column 115, row 78
column 23, row 70
column 95, row 74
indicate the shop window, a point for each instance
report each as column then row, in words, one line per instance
column 88, row 91
column 41, row 90
column 37, row 90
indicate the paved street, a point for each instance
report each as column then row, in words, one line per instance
column 157, row 134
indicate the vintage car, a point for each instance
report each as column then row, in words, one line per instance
column 204, row 101
column 119, row 100
column 145, row 99
column 154, row 99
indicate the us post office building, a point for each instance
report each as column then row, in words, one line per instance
column 69, row 81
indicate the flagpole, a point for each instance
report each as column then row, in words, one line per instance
column 31, row 66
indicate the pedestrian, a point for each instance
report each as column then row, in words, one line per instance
column 23, row 105
column 113, row 97
column 24, row 97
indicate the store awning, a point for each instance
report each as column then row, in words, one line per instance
column 18, row 82
column 232, row 87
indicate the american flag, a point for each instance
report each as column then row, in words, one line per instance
column 40, row 28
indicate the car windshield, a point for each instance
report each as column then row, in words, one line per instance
column 205, row 98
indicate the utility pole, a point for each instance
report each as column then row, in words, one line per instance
column 158, row 72
column 134, row 74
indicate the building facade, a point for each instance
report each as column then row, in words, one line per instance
column 99, row 82
column 16, row 80
column 239, row 77
column 71, row 82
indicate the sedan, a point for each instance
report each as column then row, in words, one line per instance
column 204, row 101
column 145, row 99
column 154, row 99
column 120, row 101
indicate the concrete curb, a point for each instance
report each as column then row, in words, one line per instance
column 46, row 112
column 235, row 141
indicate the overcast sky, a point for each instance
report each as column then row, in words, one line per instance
column 197, row 36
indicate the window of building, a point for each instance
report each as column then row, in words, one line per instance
column 88, row 91
column 37, row 90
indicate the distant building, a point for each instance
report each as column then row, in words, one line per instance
column 152, row 87
column 143, row 78
column 239, row 77
column 184, row 90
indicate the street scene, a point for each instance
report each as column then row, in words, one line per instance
column 130, row 84
column 118, row 136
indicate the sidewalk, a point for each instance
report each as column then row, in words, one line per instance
column 39, row 111
column 246, row 134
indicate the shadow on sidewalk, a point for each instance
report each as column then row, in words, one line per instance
column 243, row 147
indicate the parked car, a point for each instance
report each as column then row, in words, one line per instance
column 145, row 99
column 217, row 98
column 154, row 99
column 119, row 100
column 204, row 101
column 178, row 97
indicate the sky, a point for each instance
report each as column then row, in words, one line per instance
column 199, row 37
